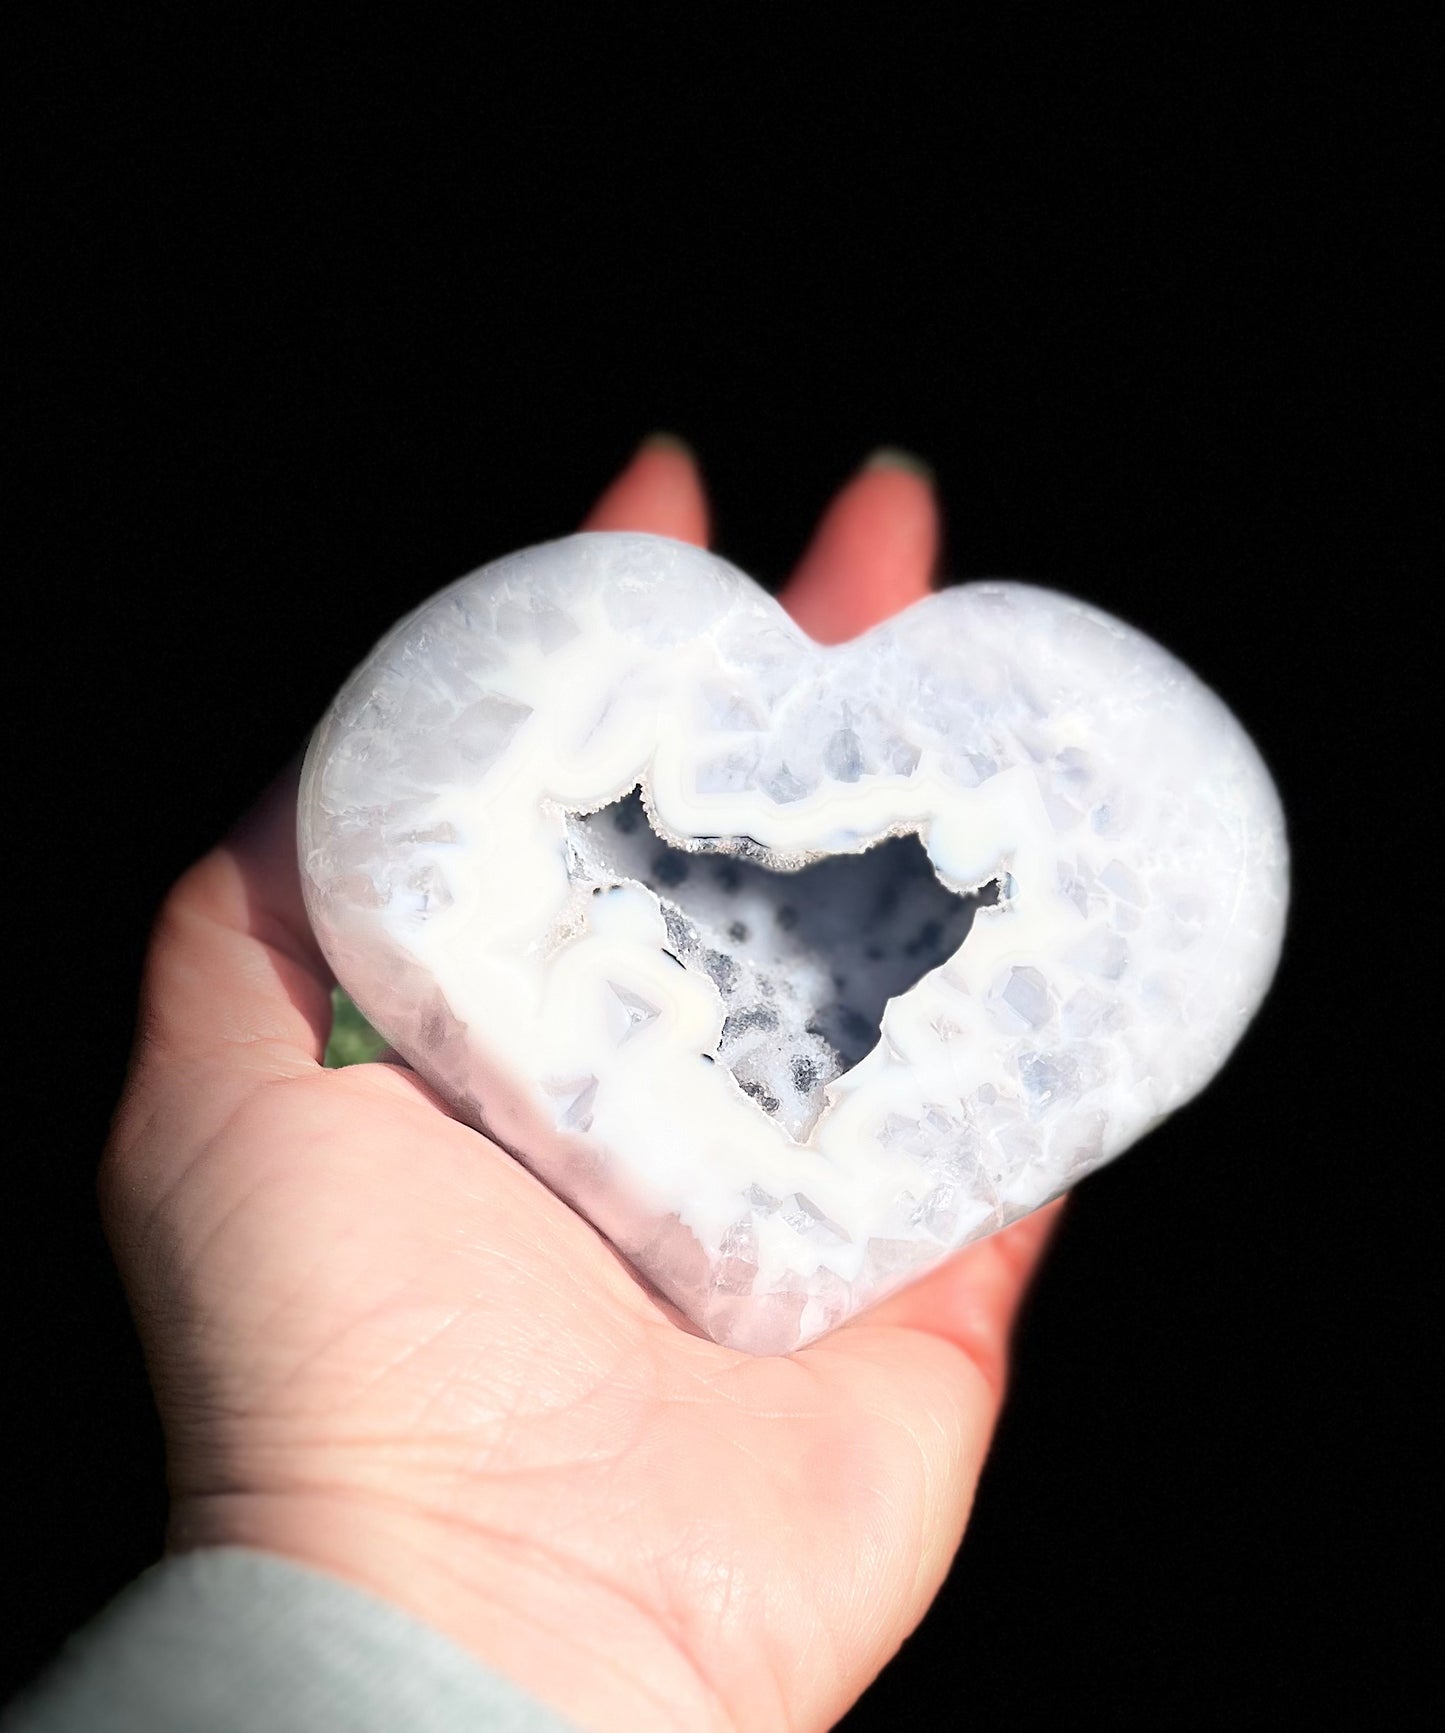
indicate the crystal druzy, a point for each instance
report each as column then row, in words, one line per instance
column 792, row 968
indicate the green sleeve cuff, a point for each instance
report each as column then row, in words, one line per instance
column 228, row 1640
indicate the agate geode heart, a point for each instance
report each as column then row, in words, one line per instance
column 793, row 969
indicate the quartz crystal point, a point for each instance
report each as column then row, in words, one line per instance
column 792, row 969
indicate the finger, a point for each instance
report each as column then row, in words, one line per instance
column 660, row 491
column 873, row 552
column 233, row 963
column 972, row 1300
column 235, row 992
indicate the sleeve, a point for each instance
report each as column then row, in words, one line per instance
column 230, row 1640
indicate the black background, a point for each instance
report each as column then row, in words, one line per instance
column 317, row 321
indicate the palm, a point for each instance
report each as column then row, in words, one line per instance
column 365, row 1305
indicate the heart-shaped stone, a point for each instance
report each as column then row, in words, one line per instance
column 668, row 1004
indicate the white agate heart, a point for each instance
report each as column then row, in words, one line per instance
column 898, row 940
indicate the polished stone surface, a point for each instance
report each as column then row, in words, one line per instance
column 793, row 969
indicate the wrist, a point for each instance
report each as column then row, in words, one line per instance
column 534, row 1616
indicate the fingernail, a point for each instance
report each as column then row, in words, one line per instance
column 894, row 457
column 664, row 441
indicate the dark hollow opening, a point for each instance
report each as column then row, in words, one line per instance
column 805, row 961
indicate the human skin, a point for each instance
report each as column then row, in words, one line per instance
column 381, row 1348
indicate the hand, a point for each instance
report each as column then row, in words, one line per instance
column 382, row 1348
